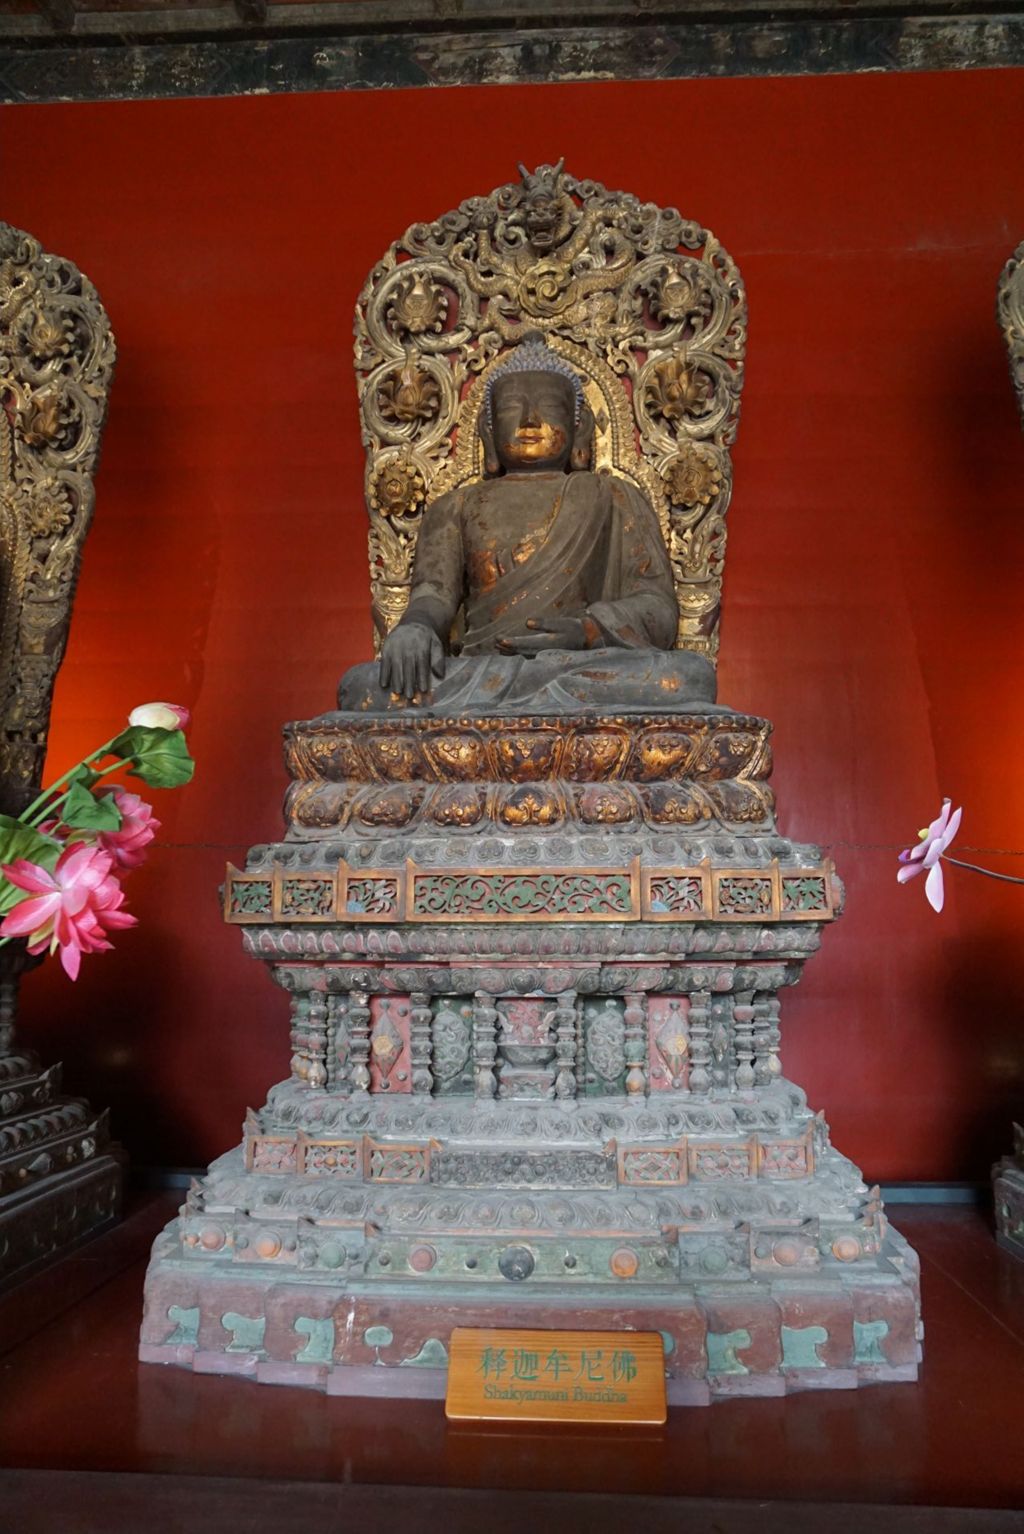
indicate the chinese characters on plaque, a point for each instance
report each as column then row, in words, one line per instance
column 547, row 1376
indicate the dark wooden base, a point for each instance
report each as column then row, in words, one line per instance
column 49, row 1218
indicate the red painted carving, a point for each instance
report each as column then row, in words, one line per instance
column 390, row 1066
column 668, row 1048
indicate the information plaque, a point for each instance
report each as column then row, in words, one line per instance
column 549, row 1376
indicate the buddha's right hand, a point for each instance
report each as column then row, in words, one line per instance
column 410, row 656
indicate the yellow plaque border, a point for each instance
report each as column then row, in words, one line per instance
column 502, row 1374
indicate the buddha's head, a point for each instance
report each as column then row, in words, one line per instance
column 535, row 417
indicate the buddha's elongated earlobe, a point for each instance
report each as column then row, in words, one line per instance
column 492, row 465
column 582, row 453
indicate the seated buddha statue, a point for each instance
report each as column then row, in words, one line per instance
column 543, row 587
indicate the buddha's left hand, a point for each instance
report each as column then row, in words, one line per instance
column 547, row 634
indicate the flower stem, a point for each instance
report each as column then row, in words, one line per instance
column 977, row 869
column 54, row 804
column 47, row 793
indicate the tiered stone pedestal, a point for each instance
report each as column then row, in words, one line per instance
column 60, row 1177
column 1008, row 1189
column 535, row 1073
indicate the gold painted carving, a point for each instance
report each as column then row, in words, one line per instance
column 56, row 361
column 517, row 749
column 645, row 305
column 1010, row 313
column 665, row 770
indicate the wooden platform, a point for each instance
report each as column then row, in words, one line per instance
column 92, row 1441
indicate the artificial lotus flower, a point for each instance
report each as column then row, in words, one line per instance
column 137, row 829
column 934, row 840
column 72, row 908
column 160, row 716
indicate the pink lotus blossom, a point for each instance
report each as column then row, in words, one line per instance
column 160, row 716
column 137, row 829
column 928, row 853
column 72, row 908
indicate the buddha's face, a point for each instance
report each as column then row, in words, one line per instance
column 533, row 416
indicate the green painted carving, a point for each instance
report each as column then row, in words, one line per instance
column 800, row 1347
column 186, row 1327
column 250, row 897
column 378, row 1337
column 432, row 1355
column 307, row 897
column 247, row 1332
column 745, row 895
column 722, row 1351
column 539, row 894
column 452, row 1035
column 668, row 1342
column 372, row 897
column 682, row 894
column 604, row 1033
column 867, row 1342
column 806, row 893
column 320, row 1347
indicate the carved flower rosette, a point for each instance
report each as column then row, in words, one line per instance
column 645, row 305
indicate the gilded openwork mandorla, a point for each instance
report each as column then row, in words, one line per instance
column 645, row 305
column 1010, row 313
column 56, row 362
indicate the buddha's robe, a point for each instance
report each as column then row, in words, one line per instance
column 493, row 555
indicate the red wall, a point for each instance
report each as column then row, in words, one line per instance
column 873, row 590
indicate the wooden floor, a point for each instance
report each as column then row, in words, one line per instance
column 91, row 1440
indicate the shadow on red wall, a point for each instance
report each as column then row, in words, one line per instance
column 872, row 590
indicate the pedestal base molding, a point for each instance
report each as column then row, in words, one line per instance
column 746, row 1338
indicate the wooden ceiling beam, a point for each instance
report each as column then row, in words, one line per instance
column 59, row 13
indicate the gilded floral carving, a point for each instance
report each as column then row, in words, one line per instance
column 45, row 508
column 606, row 805
column 677, row 390
column 47, row 334
column 693, row 477
column 409, row 394
column 458, row 806
column 417, row 305
column 397, row 488
column 40, row 419
column 677, row 295
column 532, row 807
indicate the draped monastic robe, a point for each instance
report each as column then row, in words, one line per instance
column 493, row 555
